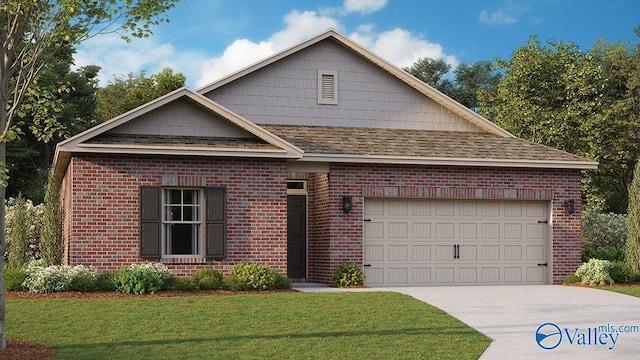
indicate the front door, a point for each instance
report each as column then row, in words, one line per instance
column 297, row 236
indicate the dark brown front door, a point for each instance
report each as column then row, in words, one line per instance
column 297, row 236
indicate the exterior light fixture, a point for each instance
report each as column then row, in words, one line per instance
column 347, row 203
column 570, row 206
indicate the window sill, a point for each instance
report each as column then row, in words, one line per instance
column 184, row 260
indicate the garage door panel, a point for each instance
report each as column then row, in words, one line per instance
column 421, row 252
column 447, row 242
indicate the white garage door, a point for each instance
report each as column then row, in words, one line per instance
column 425, row 242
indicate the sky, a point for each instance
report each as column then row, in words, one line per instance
column 208, row 39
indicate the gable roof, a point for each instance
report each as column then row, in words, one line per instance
column 392, row 69
column 401, row 146
column 257, row 142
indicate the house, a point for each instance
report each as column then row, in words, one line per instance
column 319, row 154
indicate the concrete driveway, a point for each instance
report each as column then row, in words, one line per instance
column 581, row 323
column 588, row 320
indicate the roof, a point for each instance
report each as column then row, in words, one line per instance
column 422, row 147
column 387, row 66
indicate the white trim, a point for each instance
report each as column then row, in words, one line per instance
column 585, row 165
column 327, row 96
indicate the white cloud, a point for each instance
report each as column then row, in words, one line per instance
column 364, row 6
column 400, row 46
column 509, row 14
column 118, row 58
column 497, row 18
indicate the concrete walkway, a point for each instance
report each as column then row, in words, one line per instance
column 511, row 315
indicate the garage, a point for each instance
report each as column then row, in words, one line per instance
column 429, row 242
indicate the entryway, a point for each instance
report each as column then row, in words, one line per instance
column 296, row 230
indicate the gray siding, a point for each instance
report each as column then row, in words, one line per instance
column 182, row 118
column 286, row 93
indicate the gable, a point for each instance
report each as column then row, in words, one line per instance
column 181, row 117
column 287, row 92
column 179, row 123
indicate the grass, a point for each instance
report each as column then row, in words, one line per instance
column 372, row 325
column 629, row 290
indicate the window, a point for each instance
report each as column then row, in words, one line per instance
column 182, row 222
column 327, row 87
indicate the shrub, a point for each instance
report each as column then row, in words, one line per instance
column 234, row 283
column 28, row 224
column 595, row 272
column 571, row 279
column 184, row 284
column 82, row 283
column 44, row 279
column 13, row 278
column 208, row 279
column 51, row 233
column 256, row 276
column 347, row 274
column 632, row 247
column 282, row 282
column 105, row 281
column 590, row 251
column 620, row 272
column 137, row 279
column 17, row 234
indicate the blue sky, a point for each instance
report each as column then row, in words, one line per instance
column 207, row 39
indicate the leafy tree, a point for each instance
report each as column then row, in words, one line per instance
column 126, row 93
column 474, row 79
column 31, row 32
column 432, row 72
column 469, row 79
column 632, row 247
column 51, row 236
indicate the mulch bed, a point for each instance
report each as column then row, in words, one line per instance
column 22, row 350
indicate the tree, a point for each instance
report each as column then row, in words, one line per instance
column 126, row 93
column 632, row 247
column 432, row 72
column 31, row 31
column 469, row 79
column 474, row 79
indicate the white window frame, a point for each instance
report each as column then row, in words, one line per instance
column 197, row 242
column 322, row 99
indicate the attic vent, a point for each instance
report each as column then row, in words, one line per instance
column 327, row 87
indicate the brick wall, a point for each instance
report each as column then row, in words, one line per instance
column 343, row 238
column 102, row 208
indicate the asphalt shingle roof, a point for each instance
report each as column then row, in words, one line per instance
column 415, row 143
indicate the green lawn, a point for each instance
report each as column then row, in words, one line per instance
column 368, row 325
column 631, row 290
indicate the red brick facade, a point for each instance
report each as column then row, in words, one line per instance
column 100, row 195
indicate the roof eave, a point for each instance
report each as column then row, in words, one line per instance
column 409, row 160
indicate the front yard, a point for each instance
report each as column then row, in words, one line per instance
column 371, row 325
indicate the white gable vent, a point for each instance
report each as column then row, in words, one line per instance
column 327, row 87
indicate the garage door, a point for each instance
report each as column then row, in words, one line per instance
column 424, row 242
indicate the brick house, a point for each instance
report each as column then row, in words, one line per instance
column 319, row 154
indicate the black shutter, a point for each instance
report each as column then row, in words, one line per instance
column 216, row 217
column 150, row 222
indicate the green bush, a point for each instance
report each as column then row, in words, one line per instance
column 234, row 283
column 571, row 279
column 14, row 278
column 208, row 279
column 595, row 272
column 105, row 282
column 184, row 284
column 256, row 276
column 17, row 234
column 45, row 279
column 82, row 282
column 590, row 251
column 137, row 279
column 620, row 272
column 347, row 274
column 282, row 282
